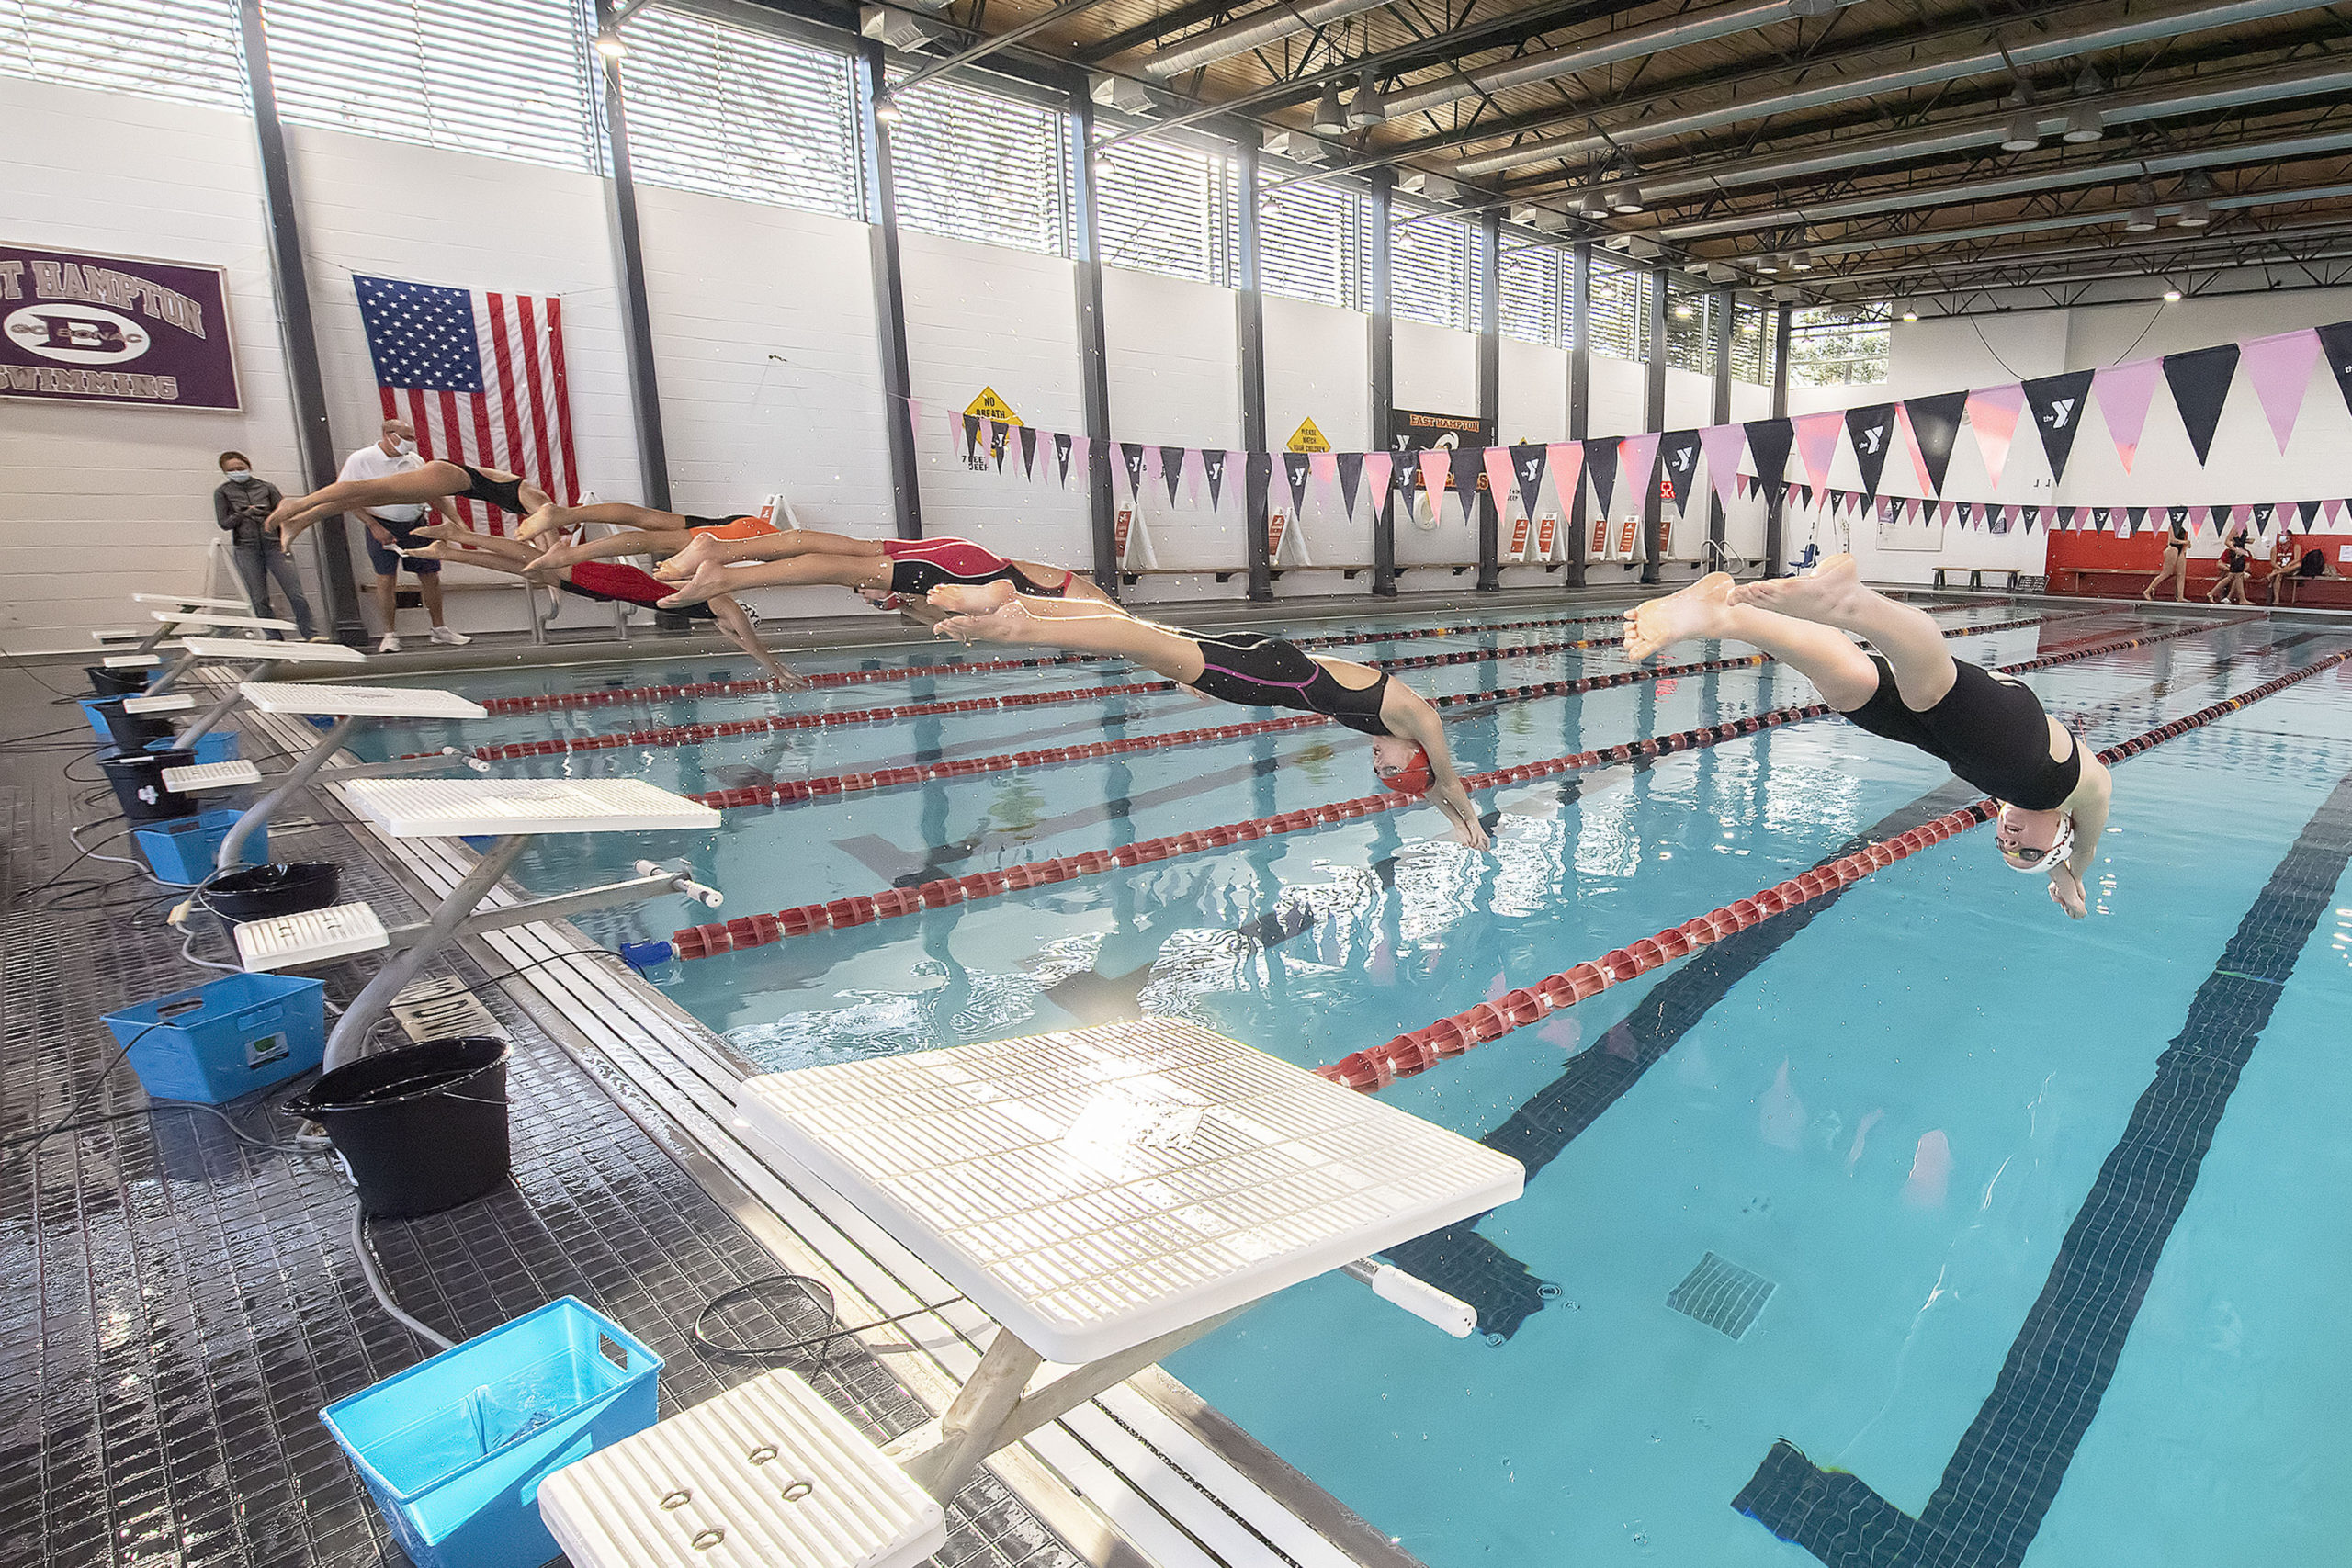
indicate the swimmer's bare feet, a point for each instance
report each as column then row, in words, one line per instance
column 1009, row 622
column 972, row 598
column 707, row 580
column 449, row 531
column 1832, row 593
column 438, row 550
column 548, row 519
column 1698, row 609
column 696, row 553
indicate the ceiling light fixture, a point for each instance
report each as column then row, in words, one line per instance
column 1369, row 106
column 2140, row 221
column 2024, row 133
column 2083, row 123
column 1330, row 119
column 610, row 46
column 2090, row 82
column 2194, row 215
column 1628, row 199
column 1800, row 261
column 2171, row 295
column 1592, row 206
column 885, row 110
column 1769, row 264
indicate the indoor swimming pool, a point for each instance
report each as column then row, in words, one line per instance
column 1888, row 1225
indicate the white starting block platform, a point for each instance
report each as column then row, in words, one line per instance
column 289, row 942
column 767, row 1475
column 219, row 618
column 454, row 808
column 201, row 778
column 132, row 660
column 357, row 701
column 191, row 601
column 170, row 702
column 286, row 652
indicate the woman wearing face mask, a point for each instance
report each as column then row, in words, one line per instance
column 241, row 505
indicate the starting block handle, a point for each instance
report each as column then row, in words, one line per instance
column 1418, row 1297
column 432, row 763
column 682, row 881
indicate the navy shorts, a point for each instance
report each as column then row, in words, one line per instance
column 387, row 564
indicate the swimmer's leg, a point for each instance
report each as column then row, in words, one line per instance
column 713, row 576
column 1083, row 628
column 1833, row 595
column 455, row 542
column 552, row 518
column 1843, row 674
column 707, row 548
column 643, row 542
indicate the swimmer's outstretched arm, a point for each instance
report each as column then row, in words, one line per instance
column 552, row 518
column 706, row 548
column 733, row 619
column 604, row 547
column 2087, row 807
column 1408, row 716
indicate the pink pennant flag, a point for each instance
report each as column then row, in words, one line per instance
column 2124, row 392
column 2280, row 369
column 1637, row 465
column 1436, row 463
column 2198, row 516
column 1195, row 475
column 1325, row 468
column 1500, row 475
column 1818, row 443
column 2241, row 514
column 1082, row 451
column 1992, row 411
column 1379, row 467
column 1237, row 478
column 914, row 420
column 2332, row 509
column 954, row 424
column 1154, row 473
column 1722, row 443
column 1566, row 461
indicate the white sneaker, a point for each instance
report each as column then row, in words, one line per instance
column 448, row 637
column 391, row 644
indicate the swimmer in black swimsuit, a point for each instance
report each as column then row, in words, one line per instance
column 891, row 574
column 2237, row 563
column 2176, row 564
column 435, row 484
column 1990, row 730
column 1408, row 749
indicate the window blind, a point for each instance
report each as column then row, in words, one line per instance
column 1431, row 271
column 1166, row 208
column 1616, row 310
column 1534, row 299
column 976, row 166
column 1308, row 244
column 734, row 112
column 506, row 78
column 185, row 50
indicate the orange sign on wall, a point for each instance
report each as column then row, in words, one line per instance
column 1518, row 538
column 1600, row 537
column 1126, row 521
column 1626, row 536
column 1543, row 532
column 1275, row 524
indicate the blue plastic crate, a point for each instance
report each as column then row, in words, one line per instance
column 89, row 707
column 453, row 1449
column 183, row 849
column 212, row 746
column 225, row 1038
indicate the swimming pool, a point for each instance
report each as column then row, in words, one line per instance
column 1870, row 1123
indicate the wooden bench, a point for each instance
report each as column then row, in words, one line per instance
column 1976, row 576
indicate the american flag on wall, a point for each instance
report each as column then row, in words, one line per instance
column 507, row 408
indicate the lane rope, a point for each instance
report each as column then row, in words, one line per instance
column 759, row 931
column 1419, row 1050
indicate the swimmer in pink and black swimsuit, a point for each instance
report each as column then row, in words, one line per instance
column 893, row 574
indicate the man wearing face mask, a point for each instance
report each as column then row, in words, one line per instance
column 391, row 530
column 240, row 506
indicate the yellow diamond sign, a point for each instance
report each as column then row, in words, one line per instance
column 988, row 405
column 1306, row 439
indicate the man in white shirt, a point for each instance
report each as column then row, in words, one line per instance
column 391, row 528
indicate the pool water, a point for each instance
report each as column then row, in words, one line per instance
column 1878, row 1116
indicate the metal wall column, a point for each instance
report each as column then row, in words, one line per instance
column 1579, row 396
column 1489, row 508
column 889, row 297
column 1249, row 332
column 636, row 319
column 1775, row 532
column 299, row 333
column 1093, row 364
column 1383, row 333
column 1719, row 315
column 1653, row 418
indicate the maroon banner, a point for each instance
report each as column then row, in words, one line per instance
column 83, row 328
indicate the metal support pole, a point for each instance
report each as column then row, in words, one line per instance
column 1775, row 528
column 291, row 780
column 1093, row 355
column 1249, row 327
column 219, row 710
column 1488, row 507
column 889, row 297
column 636, row 319
column 1580, row 395
column 297, row 333
column 1719, row 314
column 351, row 1029
column 1653, row 418
column 1382, row 335
column 975, row 1417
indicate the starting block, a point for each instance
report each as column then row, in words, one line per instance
column 202, row 778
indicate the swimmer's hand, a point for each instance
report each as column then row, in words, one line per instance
column 1454, row 801
column 2066, row 892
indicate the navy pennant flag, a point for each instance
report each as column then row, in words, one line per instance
column 1294, row 471
column 1351, row 480
column 971, row 436
column 2102, row 518
column 1213, row 464
column 1768, row 440
column 2262, row 511
column 1679, row 454
column 2057, row 402
column 1028, row 452
column 2028, row 515
column 1873, row 430
column 1061, row 455
column 1601, row 463
column 1527, row 463
column 1469, row 463
column 1967, row 510
column 1935, row 430
column 1131, row 458
column 2335, row 342
column 1171, row 469
column 2200, row 380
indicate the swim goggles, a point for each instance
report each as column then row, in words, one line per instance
column 2055, row 857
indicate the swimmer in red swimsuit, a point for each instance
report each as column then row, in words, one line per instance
column 1408, row 750
column 675, row 527
column 602, row 580
column 889, row 573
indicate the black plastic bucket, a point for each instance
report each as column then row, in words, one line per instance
column 130, row 730
column 424, row 1128
column 109, row 683
column 259, row 892
column 138, row 779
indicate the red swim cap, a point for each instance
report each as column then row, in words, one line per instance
column 1415, row 778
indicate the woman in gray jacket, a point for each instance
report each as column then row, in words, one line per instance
column 240, row 505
